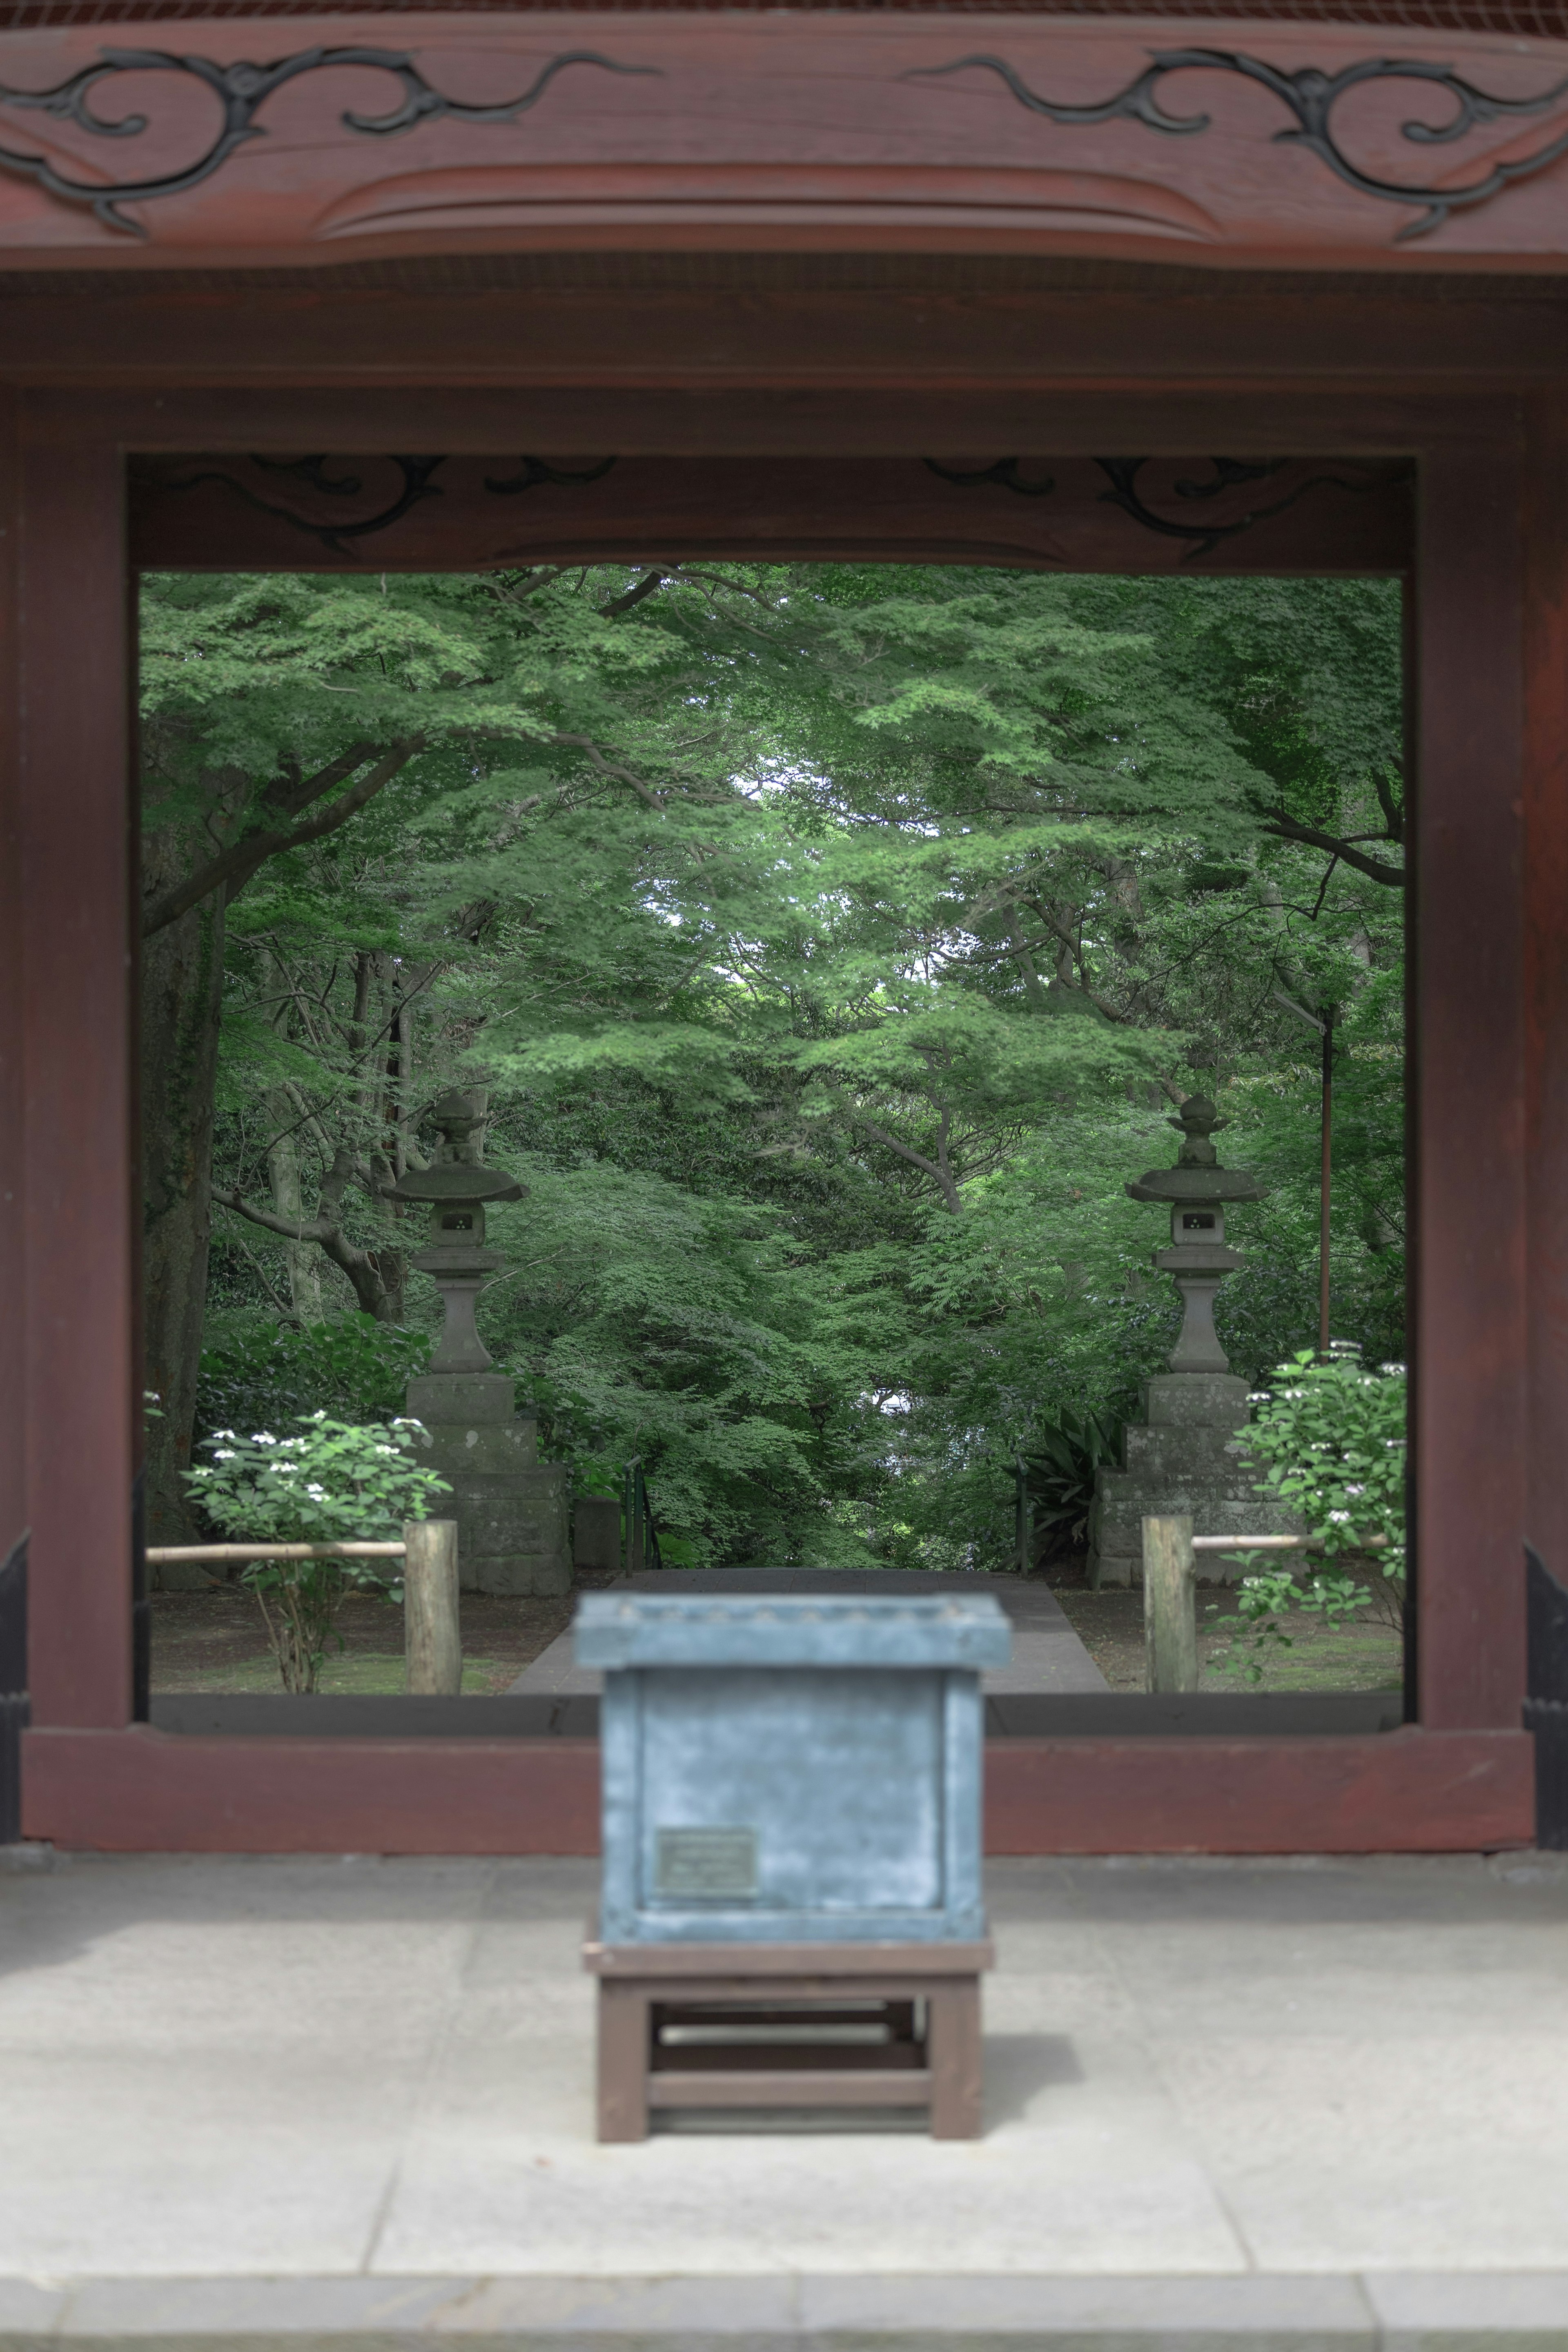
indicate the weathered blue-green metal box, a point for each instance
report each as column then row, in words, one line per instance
column 790, row 1768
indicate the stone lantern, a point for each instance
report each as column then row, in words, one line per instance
column 1197, row 1190
column 510, row 1507
column 1182, row 1455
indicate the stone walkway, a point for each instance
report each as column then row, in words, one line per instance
column 348, row 2103
column 1048, row 1656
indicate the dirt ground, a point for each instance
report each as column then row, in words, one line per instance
column 1110, row 1624
column 215, row 1641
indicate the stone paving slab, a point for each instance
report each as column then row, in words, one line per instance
column 303, row 2101
column 1048, row 1656
column 1392, row 2311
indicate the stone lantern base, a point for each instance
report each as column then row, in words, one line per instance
column 1181, row 1457
column 510, row 1507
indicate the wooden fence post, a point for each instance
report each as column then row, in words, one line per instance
column 1170, row 1628
column 432, row 1642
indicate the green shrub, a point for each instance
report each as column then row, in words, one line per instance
column 1333, row 1436
column 258, row 1374
column 1062, row 1461
column 335, row 1483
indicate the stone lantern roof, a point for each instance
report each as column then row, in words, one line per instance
column 455, row 1177
column 1197, row 1180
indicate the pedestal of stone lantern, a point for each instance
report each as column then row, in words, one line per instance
column 1182, row 1455
column 510, row 1508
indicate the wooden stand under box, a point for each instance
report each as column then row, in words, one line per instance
column 726, row 2025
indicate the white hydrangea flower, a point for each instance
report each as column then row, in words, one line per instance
column 263, row 1437
column 223, row 1432
column 390, row 1450
column 317, row 1494
column 1339, row 1519
column 225, row 1454
column 289, row 1469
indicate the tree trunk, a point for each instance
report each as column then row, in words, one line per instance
column 302, row 1258
column 181, row 989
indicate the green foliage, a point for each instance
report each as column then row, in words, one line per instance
column 334, row 1484
column 832, row 941
column 256, row 1373
column 1264, row 1604
column 1332, row 1435
column 1067, row 1453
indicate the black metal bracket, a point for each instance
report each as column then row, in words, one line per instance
column 13, row 1706
column 1546, row 1707
column 242, row 91
column 1311, row 96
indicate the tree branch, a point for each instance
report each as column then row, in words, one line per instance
column 1285, row 828
column 644, row 587
column 607, row 768
column 234, row 867
column 940, row 1176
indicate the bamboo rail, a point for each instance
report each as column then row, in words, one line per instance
column 1170, row 1560
column 159, row 1555
column 433, row 1643
column 1262, row 1543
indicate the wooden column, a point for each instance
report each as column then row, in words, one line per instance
column 79, row 1035
column 1545, row 796
column 1468, row 1422
column 13, row 1380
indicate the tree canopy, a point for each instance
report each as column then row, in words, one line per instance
column 833, row 943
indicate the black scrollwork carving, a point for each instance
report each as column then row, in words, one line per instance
column 1005, row 471
column 536, row 472
column 1121, row 473
column 415, row 473
column 242, row 91
column 416, row 484
column 1312, row 96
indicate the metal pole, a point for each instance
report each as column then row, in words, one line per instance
column 1326, row 1182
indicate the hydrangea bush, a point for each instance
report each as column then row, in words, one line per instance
column 336, row 1483
column 1332, row 1436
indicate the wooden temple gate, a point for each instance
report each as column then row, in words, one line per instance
column 892, row 283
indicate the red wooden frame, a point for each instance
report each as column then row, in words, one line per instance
column 731, row 366
column 761, row 129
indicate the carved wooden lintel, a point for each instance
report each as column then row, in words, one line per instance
column 1310, row 146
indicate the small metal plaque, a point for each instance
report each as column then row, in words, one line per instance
column 706, row 1864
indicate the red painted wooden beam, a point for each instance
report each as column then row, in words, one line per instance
column 848, row 131
column 225, row 511
column 142, row 1790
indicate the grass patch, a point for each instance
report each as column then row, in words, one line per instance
column 359, row 1674
column 1320, row 1657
